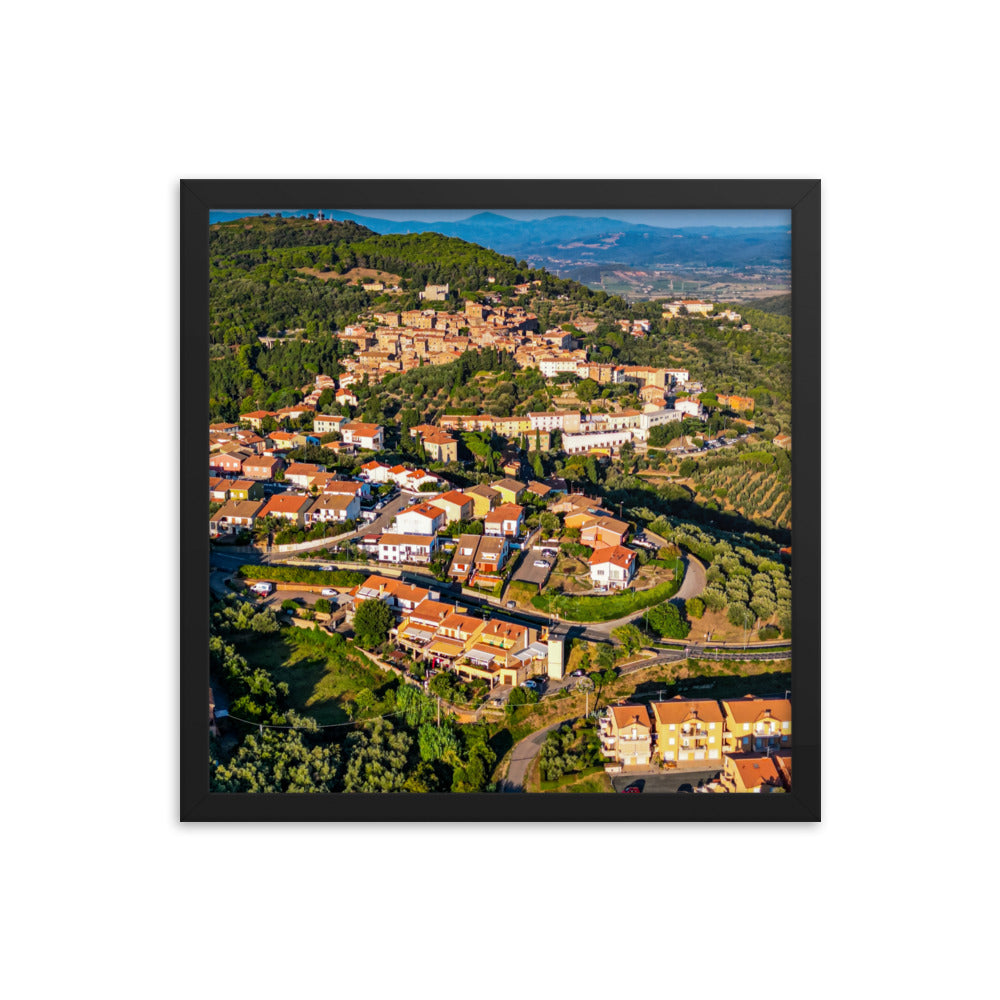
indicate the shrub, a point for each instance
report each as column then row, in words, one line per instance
column 695, row 607
column 769, row 632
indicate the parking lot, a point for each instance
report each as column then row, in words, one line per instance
column 528, row 572
column 665, row 782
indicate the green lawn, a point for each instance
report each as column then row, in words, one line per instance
column 321, row 678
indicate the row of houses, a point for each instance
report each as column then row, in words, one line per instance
column 449, row 636
column 688, row 730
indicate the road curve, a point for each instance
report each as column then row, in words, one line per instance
column 523, row 754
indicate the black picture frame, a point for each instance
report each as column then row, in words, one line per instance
column 198, row 197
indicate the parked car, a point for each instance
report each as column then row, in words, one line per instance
column 632, row 788
column 541, row 564
column 328, row 592
column 512, row 604
column 579, row 673
column 530, row 684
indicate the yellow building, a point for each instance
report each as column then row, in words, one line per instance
column 750, row 772
column 484, row 499
column 756, row 725
column 688, row 729
column 511, row 490
column 626, row 734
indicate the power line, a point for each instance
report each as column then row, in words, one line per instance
column 332, row 725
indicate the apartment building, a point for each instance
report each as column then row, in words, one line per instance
column 405, row 548
column 626, row 734
column 757, row 725
column 688, row 729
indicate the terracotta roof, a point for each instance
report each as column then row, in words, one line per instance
column 753, row 709
column 261, row 461
column 339, row 485
column 389, row 538
column 285, row 503
column 755, row 770
column 238, row 508
column 626, row 715
column 679, row 710
column 617, row 555
column 334, row 501
column 505, row 512
column 424, row 509
column 363, row 430
column 453, row 496
column 431, row 610
column 460, row 622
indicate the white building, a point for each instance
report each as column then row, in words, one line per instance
column 690, row 408
column 612, row 567
column 423, row 519
column 334, row 507
column 552, row 366
column 401, row 548
column 576, row 444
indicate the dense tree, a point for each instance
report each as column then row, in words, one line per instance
column 376, row 758
column 667, row 620
column 372, row 622
column 278, row 761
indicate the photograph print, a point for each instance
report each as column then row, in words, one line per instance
column 500, row 502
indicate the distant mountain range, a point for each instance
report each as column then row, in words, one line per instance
column 562, row 242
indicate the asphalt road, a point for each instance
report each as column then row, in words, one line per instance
column 665, row 782
column 521, row 757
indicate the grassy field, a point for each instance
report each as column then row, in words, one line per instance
column 321, row 679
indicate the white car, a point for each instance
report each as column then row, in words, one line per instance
column 328, row 592
column 541, row 564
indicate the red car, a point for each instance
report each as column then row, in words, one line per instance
column 632, row 788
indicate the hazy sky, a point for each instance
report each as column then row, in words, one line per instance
column 667, row 218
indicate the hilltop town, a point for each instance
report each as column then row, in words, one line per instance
column 496, row 506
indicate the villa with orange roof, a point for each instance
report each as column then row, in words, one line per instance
column 613, row 567
column 369, row 436
column 288, row 507
column 421, row 519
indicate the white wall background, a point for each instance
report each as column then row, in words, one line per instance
column 108, row 105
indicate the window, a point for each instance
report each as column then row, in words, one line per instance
column 746, row 727
column 711, row 725
column 786, row 725
column 672, row 726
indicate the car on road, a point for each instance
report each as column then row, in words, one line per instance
column 530, row 684
column 328, row 592
column 541, row 564
column 512, row 604
column 632, row 788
